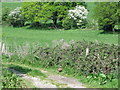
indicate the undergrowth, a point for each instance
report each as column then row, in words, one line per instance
column 11, row 80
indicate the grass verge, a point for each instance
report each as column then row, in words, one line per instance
column 11, row 80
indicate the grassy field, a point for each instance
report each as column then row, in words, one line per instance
column 11, row 5
column 22, row 35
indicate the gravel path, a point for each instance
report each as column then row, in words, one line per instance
column 38, row 83
column 70, row 82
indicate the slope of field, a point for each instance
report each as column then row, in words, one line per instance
column 22, row 35
column 11, row 5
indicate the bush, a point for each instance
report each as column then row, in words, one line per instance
column 79, row 16
column 84, row 57
column 16, row 18
column 76, row 18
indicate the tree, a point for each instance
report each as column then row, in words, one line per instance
column 15, row 17
column 44, row 11
column 78, row 15
column 107, row 14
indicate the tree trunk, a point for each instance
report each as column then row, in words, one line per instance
column 55, row 16
column 55, row 21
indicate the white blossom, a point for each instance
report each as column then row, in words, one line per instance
column 15, row 14
column 79, row 14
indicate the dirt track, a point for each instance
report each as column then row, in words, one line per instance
column 51, row 81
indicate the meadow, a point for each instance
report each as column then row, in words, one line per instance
column 46, row 36
column 11, row 5
column 21, row 35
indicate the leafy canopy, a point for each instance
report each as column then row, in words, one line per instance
column 44, row 11
column 107, row 14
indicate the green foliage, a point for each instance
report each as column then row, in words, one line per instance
column 107, row 14
column 15, row 18
column 44, row 11
column 10, row 80
column 28, row 71
column 5, row 13
column 104, row 57
column 67, row 23
column 12, row 17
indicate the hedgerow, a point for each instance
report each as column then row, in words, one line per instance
column 85, row 57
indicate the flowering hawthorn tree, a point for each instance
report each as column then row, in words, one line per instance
column 15, row 17
column 79, row 14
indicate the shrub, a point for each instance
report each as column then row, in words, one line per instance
column 79, row 15
column 85, row 57
column 16, row 18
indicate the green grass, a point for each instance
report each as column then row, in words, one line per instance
column 11, row 80
column 11, row 5
column 22, row 35
column 0, row 32
column 28, row 71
